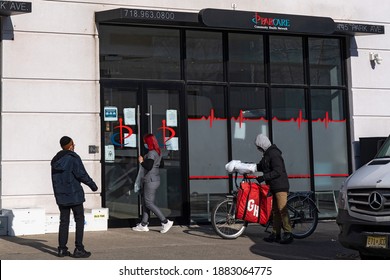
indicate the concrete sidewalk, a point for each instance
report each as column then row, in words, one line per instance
column 195, row 242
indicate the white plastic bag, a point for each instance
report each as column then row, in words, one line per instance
column 240, row 167
column 231, row 165
column 137, row 183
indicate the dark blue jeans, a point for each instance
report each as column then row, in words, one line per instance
column 78, row 213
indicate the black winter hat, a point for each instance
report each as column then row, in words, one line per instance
column 65, row 141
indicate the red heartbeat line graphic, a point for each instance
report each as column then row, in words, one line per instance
column 211, row 118
column 240, row 119
column 326, row 120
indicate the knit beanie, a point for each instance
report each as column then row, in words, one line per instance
column 66, row 142
column 263, row 142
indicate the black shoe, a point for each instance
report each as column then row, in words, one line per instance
column 81, row 253
column 273, row 237
column 63, row 253
column 287, row 238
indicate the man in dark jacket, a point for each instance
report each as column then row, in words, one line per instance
column 275, row 175
column 67, row 173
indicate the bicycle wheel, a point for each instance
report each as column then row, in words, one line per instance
column 303, row 216
column 224, row 222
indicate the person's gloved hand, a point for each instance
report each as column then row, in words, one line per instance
column 260, row 179
column 94, row 188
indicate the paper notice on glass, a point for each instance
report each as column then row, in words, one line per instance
column 172, row 144
column 109, row 153
column 129, row 114
column 130, row 141
column 239, row 132
column 171, row 117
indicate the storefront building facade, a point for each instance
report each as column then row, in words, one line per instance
column 205, row 80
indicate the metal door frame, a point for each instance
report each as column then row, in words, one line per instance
column 142, row 87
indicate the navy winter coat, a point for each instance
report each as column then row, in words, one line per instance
column 67, row 174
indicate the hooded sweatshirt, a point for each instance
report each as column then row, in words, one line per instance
column 67, row 173
column 263, row 142
column 272, row 165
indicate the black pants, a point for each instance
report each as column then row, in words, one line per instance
column 78, row 213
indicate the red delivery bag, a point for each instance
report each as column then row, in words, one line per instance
column 253, row 203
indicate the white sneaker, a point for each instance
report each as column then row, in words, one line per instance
column 140, row 227
column 166, row 227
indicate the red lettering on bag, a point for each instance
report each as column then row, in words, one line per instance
column 253, row 208
column 253, row 203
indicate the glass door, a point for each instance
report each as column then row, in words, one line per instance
column 131, row 110
column 162, row 117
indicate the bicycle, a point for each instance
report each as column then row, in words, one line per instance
column 302, row 210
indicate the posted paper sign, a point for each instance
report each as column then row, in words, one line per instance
column 239, row 132
column 171, row 117
column 129, row 114
column 172, row 144
column 130, row 141
column 109, row 153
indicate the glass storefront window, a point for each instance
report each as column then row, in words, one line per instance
column 286, row 58
column 267, row 89
column 246, row 58
column 290, row 131
column 207, row 146
column 325, row 61
column 204, row 59
column 329, row 143
column 247, row 120
column 120, row 160
column 139, row 53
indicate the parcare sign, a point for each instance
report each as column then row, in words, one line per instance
column 8, row 8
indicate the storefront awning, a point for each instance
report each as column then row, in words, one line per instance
column 284, row 23
column 239, row 20
column 267, row 22
column 163, row 17
column 10, row 8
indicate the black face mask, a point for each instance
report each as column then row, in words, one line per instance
column 260, row 149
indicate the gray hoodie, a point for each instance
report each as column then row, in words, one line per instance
column 263, row 142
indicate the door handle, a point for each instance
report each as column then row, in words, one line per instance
column 151, row 118
column 139, row 130
column 150, row 115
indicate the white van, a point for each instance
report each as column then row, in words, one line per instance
column 364, row 208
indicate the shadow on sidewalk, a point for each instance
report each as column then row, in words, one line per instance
column 38, row 244
column 321, row 245
column 205, row 231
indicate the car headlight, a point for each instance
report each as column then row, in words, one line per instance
column 342, row 198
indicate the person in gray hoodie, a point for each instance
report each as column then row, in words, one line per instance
column 275, row 175
column 67, row 173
